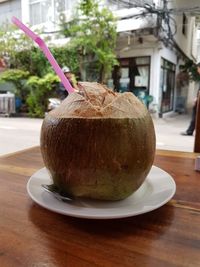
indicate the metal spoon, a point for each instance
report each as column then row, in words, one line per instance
column 52, row 189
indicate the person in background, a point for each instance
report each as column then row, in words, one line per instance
column 192, row 124
column 62, row 92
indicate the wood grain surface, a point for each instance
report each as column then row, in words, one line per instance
column 31, row 236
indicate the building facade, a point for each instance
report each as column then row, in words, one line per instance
column 150, row 60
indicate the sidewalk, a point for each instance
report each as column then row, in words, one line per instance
column 20, row 133
column 168, row 133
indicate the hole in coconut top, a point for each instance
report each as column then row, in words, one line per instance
column 97, row 94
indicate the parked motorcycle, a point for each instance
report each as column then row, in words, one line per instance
column 53, row 103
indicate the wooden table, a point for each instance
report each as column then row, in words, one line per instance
column 33, row 236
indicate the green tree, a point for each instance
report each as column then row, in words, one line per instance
column 93, row 35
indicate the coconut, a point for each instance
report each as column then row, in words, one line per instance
column 98, row 144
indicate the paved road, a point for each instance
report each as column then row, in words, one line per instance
column 20, row 133
column 168, row 133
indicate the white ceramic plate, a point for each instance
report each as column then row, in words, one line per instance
column 158, row 188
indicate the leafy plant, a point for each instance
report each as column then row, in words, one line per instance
column 18, row 78
column 40, row 90
column 93, row 35
column 32, row 60
column 26, row 60
column 11, row 42
column 191, row 68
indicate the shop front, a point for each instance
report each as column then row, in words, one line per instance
column 151, row 77
column 133, row 75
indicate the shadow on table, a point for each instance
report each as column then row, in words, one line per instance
column 158, row 220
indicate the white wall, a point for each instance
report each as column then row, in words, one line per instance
column 155, row 75
column 168, row 54
column 9, row 9
column 25, row 11
column 186, row 42
column 198, row 46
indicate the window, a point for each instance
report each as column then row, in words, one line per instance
column 42, row 11
column 132, row 75
column 167, row 83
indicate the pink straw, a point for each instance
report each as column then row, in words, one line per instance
column 46, row 51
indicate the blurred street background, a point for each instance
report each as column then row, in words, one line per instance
column 150, row 48
column 21, row 133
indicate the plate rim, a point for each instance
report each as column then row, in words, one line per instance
column 96, row 216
